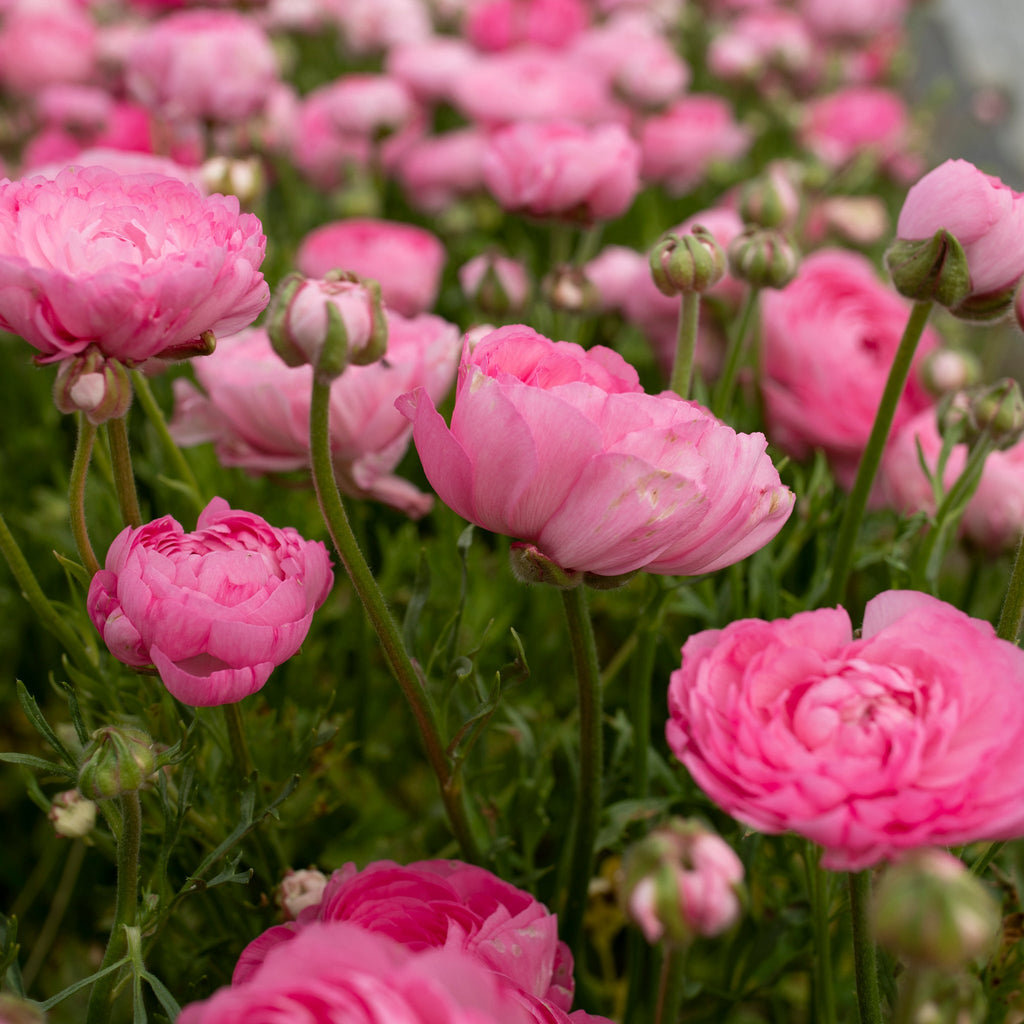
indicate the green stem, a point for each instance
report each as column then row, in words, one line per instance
column 853, row 513
column 383, row 622
column 864, row 955
column 125, row 904
column 640, row 689
column 686, row 344
column 818, row 890
column 588, row 798
column 1012, row 617
column 671, row 986
column 124, row 477
column 725, row 387
column 76, row 494
column 171, row 451
column 55, row 915
column 236, row 738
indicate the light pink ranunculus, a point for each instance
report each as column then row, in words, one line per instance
column 430, row 67
column 255, row 409
column 46, row 45
column 679, row 145
column 437, row 170
column 985, row 216
column 908, row 736
column 215, row 610
column 205, row 65
column 829, row 338
column 561, row 448
column 375, row 26
column 493, row 25
column 564, row 170
column 440, row 904
column 138, row 265
column 493, row 280
column 840, row 19
column 761, row 44
column 405, row 259
column 124, row 162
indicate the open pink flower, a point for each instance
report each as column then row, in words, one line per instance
column 560, row 447
column 215, row 610
column 138, row 265
column 908, row 736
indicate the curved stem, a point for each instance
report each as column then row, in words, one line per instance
column 383, row 622
column 853, row 514
column 76, row 494
column 125, row 904
column 725, row 387
column 865, row 958
column 124, row 478
column 588, row 799
column 686, row 344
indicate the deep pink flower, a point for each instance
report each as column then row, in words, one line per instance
column 405, row 259
column 985, row 216
column 501, row 24
column 440, row 904
column 908, row 736
column 215, row 610
column 136, row 265
column 255, row 409
column 829, row 338
column 561, row 448
column 562, row 169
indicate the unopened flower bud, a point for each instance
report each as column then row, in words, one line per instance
column 683, row 264
column 930, row 910
column 930, row 269
column 529, row 565
column 771, row 199
column 119, row 760
column 72, row 814
column 300, row 889
column 328, row 323
column 947, row 370
column 986, row 308
column 496, row 284
column 764, row 258
column 998, row 409
column 233, row 176
column 569, row 289
column 680, row 882
column 93, row 384
column 862, row 220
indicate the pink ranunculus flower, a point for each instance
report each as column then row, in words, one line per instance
column 985, row 216
column 561, row 448
column 493, row 25
column 215, row 610
column 439, row 169
column 908, row 736
column 406, row 260
column 138, row 265
column 336, row 971
column 839, row 19
column 565, row 170
column 255, row 409
column 829, row 338
column 760, row 45
column 44, row 45
column 430, row 67
column 440, row 904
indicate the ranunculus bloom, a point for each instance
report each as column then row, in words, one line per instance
column 405, row 259
column 908, row 736
column 255, row 409
column 501, row 24
column 840, row 19
column 215, row 610
column 562, row 169
column 561, row 448
column 438, row 169
column 440, row 904
column 137, row 264
column 761, row 43
column 829, row 338
column 985, row 216
column 41, row 46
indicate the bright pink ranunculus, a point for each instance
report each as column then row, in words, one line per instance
column 405, row 259
column 908, row 736
column 334, row 971
column 501, row 24
column 255, row 409
column 136, row 264
column 562, row 169
column 215, row 610
column 561, row 448
column 829, row 338
column 440, row 904
column 985, row 216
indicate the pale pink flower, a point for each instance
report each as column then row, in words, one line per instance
column 562, row 169
column 430, row 67
column 760, row 42
column 493, row 25
column 985, row 216
column 300, row 889
column 829, row 338
column 908, row 736
column 367, row 104
column 215, row 610
column 138, row 265
column 43, row 47
column 375, row 26
column 255, row 409
column 490, row 273
column 202, row 65
column 679, row 145
column 560, row 448
column 406, row 260
column 840, row 19
column 437, row 170
column 126, row 163
column 614, row 272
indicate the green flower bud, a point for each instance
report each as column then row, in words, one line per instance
column 532, row 566
column 683, row 264
column 120, row 759
column 764, row 258
column 930, row 269
column 999, row 409
column 94, row 384
column 771, row 199
column 987, row 308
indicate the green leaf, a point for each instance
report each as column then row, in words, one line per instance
column 164, row 997
column 35, row 716
column 40, row 764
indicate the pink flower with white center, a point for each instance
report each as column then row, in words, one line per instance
column 137, row 265
column 867, row 746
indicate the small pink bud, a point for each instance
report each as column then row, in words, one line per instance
column 947, row 370
column 496, row 284
column 72, row 814
column 567, row 288
column 300, row 889
column 93, row 384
